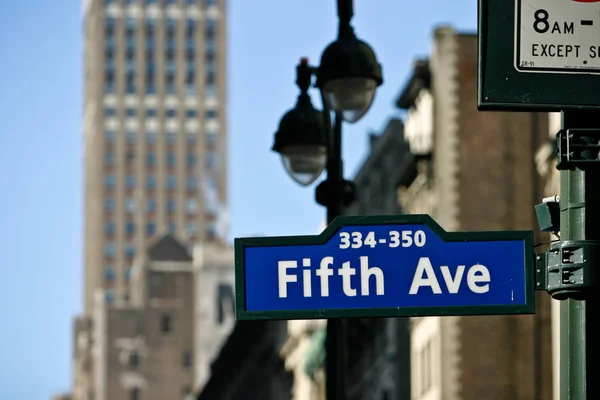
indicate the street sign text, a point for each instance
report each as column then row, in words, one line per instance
column 557, row 36
column 384, row 266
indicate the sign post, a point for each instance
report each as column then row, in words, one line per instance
column 544, row 55
column 385, row 267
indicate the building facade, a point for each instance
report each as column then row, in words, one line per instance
column 160, row 344
column 473, row 171
column 249, row 365
column 154, row 131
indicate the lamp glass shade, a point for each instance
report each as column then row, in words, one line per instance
column 350, row 96
column 304, row 163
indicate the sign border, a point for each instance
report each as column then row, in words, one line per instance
column 240, row 244
column 546, row 70
column 503, row 87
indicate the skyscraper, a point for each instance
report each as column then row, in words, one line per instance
column 154, row 131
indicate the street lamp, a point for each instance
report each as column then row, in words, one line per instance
column 349, row 72
column 308, row 143
column 301, row 138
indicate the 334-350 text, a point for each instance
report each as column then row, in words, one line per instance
column 356, row 240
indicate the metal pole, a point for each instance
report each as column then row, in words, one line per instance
column 336, row 335
column 580, row 220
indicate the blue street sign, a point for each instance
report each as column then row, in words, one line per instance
column 384, row 266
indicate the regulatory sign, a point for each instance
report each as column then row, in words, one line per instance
column 538, row 55
column 558, row 36
column 384, row 266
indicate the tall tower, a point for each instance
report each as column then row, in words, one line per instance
column 154, row 131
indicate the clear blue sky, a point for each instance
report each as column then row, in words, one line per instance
column 41, row 148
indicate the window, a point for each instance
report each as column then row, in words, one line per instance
column 190, row 89
column 151, row 182
column 210, row 28
column 171, row 89
column 130, row 250
column 191, row 229
column 129, row 2
column 212, row 138
column 150, row 88
column 150, row 205
column 211, row 47
column 190, row 182
column 110, row 296
column 211, row 231
column 134, row 359
column 131, row 137
column 151, row 159
column 150, row 2
column 110, row 112
column 109, row 274
column 171, row 136
column 109, row 205
column 165, row 323
column 130, row 84
column 109, row 159
column 110, row 136
column 171, row 182
column 150, row 228
column 151, row 112
column 171, row 113
column 186, row 360
column 211, row 114
column 424, row 372
column 172, row 227
column 109, row 228
column 170, row 205
column 191, row 113
column 130, row 182
column 135, row 394
column 191, row 138
column 130, row 205
column 191, row 160
column 110, row 181
column 191, row 205
column 171, row 159
column 190, row 27
column 151, row 137
column 211, row 160
column 128, row 272
column 191, row 2
column 130, row 22
column 208, row 3
column 110, row 86
column 130, row 68
column 130, row 228
column 211, row 90
column 225, row 303
column 110, row 249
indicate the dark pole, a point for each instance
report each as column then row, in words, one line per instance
column 580, row 215
column 335, row 343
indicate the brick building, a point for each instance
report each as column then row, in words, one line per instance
column 474, row 171
column 161, row 343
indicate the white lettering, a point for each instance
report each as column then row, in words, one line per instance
column 306, row 279
column 346, row 272
column 365, row 274
column 284, row 278
column 478, row 273
column 424, row 267
column 453, row 284
column 324, row 273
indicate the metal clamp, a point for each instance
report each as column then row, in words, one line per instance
column 578, row 148
column 570, row 268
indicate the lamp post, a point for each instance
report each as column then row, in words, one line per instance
column 347, row 77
